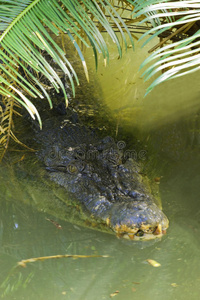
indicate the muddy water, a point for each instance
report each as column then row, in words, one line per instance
column 125, row 274
column 26, row 233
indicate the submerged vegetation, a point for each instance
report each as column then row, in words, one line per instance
column 27, row 41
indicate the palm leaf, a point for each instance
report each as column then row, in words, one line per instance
column 27, row 27
column 178, row 52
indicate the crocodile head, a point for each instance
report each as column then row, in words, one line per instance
column 109, row 187
column 138, row 219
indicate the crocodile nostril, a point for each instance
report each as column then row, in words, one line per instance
column 140, row 233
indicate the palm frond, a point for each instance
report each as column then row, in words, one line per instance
column 26, row 30
column 26, row 41
column 27, row 26
column 177, row 53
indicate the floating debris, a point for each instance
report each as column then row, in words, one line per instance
column 114, row 294
column 153, row 263
column 64, row 293
column 54, row 223
column 174, row 284
column 23, row 262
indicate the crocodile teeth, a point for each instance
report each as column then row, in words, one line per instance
column 158, row 230
column 131, row 236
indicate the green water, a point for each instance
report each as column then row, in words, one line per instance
column 25, row 232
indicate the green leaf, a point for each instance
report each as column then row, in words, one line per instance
column 27, row 27
column 177, row 58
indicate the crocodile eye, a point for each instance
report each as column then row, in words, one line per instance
column 140, row 233
column 72, row 169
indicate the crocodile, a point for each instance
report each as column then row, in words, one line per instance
column 107, row 183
